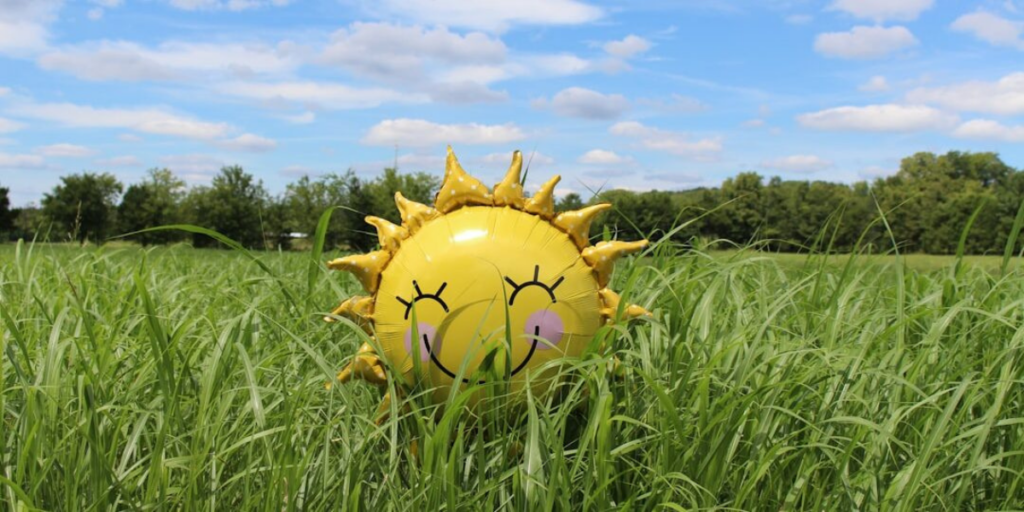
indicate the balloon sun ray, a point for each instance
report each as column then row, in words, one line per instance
column 554, row 281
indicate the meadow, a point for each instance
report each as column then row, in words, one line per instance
column 186, row 379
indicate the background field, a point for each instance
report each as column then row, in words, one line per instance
column 194, row 380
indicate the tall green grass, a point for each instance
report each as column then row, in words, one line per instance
column 194, row 380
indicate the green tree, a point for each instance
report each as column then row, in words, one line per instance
column 419, row 187
column 83, row 205
column 6, row 214
column 569, row 202
column 156, row 201
column 28, row 221
column 233, row 205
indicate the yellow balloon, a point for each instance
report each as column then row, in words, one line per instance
column 482, row 285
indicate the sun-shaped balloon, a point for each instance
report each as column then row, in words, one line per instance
column 481, row 284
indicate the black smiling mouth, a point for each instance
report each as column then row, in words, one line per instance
column 526, row 360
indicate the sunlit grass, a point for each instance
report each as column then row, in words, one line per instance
column 189, row 380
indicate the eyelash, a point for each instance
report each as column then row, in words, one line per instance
column 535, row 282
column 436, row 297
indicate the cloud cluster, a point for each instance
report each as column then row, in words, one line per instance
column 173, row 60
column 602, row 157
column 24, row 25
column 676, row 143
column 864, row 42
column 8, row 126
column 584, row 103
column 321, row 94
column 992, row 130
column 65, row 150
column 496, row 16
column 1003, row 97
column 878, row 118
column 231, row 5
column 992, row 29
column 798, row 164
column 882, row 10
column 419, row 132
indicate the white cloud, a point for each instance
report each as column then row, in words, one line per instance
column 390, row 52
column 65, row 151
column 120, row 161
column 863, row 42
column 153, row 121
column 196, row 169
column 672, row 142
column 585, row 104
column 23, row 25
column 174, row 60
column 447, row 66
column 628, row 47
column 418, row 132
column 129, row 137
column 991, row 28
column 560, row 64
column 877, row 83
column 8, row 126
column 95, row 14
column 799, row 19
column 798, row 164
column 677, row 103
column 248, row 142
column 881, row 10
column 601, row 157
column 303, row 118
column 19, row 38
column 753, row 123
column 494, row 15
column 464, row 93
column 991, row 130
column 878, row 118
column 110, row 4
column 231, row 5
column 21, row 162
column 325, row 94
column 1002, row 97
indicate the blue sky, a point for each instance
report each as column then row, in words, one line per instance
column 640, row 95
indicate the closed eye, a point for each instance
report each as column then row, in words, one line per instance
column 535, row 282
column 436, row 297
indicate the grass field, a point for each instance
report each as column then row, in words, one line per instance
column 194, row 380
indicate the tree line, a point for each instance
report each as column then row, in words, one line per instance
column 924, row 207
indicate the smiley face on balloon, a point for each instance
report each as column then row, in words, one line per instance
column 483, row 285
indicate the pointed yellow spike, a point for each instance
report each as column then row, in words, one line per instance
column 414, row 215
column 577, row 223
column 459, row 188
column 383, row 410
column 610, row 301
column 390, row 235
column 603, row 255
column 365, row 366
column 543, row 202
column 357, row 309
column 510, row 191
column 366, row 267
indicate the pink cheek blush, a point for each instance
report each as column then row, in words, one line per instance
column 545, row 324
column 427, row 336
